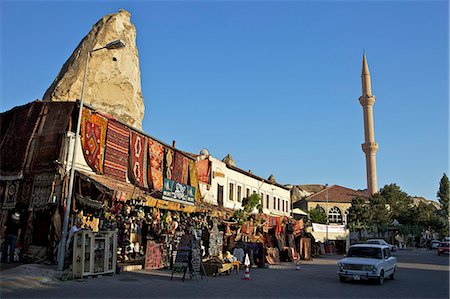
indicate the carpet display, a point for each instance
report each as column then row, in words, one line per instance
column 138, row 160
column 93, row 139
column 116, row 152
column 180, row 168
column 156, row 159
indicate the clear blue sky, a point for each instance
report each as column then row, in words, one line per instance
column 276, row 84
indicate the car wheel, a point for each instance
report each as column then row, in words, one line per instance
column 380, row 279
column 342, row 278
column 392, row 276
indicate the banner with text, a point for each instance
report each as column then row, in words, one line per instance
column 331, row 228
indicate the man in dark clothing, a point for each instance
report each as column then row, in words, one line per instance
column 12, row 232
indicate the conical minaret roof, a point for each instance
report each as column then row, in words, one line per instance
column 365, row 76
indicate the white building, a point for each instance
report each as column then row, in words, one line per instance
column 229, row 185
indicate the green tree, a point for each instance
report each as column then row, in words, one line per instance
column 318, row 215
column 358, row 215
column 248, row 205
column 399, row 203
column 378, row 214
column 443, row 194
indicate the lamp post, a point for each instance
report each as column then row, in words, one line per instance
column 326, row 211
column 116, row 44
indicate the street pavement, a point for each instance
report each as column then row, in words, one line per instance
column 421, row 274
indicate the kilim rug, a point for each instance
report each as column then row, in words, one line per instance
column 93, row 139
column 17, row 129
column 169, row 163
column 55, row 121
column 193, row 179
column 138, row 160
column 116, row 152
column 180, row 168
column 156, row 152
column 203, row 170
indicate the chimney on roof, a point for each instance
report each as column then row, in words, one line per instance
column 174, row 143
column 272, row 179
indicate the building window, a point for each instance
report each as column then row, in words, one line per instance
column 239, row 193
column 231, row 192
column 267, row 201
column 278, row 204
column 334, row 215
column 261, row 196
column 282, row 205
column 248, row 193
column 274, row 203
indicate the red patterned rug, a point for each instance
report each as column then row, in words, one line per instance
column 180, row 168
column 169, row 163
column 93, row 139
column 203, row 170
column 116, row 153
column 18, row 126
column 138, row 159
column 156, row 151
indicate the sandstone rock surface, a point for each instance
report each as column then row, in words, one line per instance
column 113, row 83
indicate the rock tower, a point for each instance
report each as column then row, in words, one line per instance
column 369, row 146
column 113, row 83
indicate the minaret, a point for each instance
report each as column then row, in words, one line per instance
column 369, row 146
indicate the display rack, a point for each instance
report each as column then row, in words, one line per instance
column 94, row 253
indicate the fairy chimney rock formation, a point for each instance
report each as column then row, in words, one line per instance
column 113, row 83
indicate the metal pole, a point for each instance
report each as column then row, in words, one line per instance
column 326, row 213
column 62, row 245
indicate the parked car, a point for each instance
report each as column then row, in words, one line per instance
column 443, row 248
column 367, row 261
column 382, row 242
column 434, row 244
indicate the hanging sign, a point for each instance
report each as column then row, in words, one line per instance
column 178, row 192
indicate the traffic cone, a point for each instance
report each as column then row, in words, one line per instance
column 247, row 267
column 247, row 273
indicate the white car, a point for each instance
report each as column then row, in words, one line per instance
column 381, row 242
column 367, row 261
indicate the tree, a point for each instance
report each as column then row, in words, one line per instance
column 318, row 215
column 443, row 194
column 248, row 205
column 399, row 203
column 378, row 214
column 358, row 215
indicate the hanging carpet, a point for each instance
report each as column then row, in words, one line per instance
column 203, row 170
column 156, row 152
column 180, row 168
column 49, row 137
column 93, row 139
column 138, row 160
column 17, row 128
column 116, row 152
column 169, row 163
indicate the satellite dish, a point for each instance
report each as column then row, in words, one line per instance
column 204, row 152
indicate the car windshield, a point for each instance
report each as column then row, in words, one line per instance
column 367, row 252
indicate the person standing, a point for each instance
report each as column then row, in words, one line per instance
column 12, row 233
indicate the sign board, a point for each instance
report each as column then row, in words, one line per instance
column 331, row 228
column 154, row 256
column 196, row 256
column 178, row 192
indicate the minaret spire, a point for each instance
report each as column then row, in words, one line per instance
column 369, row 147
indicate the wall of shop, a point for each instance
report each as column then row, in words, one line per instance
column 228, row 188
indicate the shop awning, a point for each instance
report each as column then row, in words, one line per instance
column 123, row 191
column 299, row 212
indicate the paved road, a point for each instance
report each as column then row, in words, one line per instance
column 421, row 274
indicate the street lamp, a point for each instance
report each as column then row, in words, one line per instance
column 326, row 212
column 116, row 44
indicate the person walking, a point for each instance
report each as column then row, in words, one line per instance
column 12, row 233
